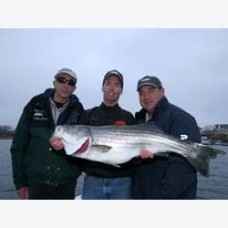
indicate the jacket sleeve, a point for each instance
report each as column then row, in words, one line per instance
column 18, row 150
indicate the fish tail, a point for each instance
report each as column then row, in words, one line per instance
column 203, row 156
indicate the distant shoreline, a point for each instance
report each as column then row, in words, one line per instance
column 6, row 137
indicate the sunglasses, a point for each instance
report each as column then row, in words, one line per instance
column 64, row 81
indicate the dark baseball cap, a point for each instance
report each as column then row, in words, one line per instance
column 114, row 73
column 149, row 81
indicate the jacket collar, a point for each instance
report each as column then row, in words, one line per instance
column 113, row 108
column 50, row 93
column 161, row 105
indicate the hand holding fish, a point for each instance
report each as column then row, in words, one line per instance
column 23, row 193
column 56, row 143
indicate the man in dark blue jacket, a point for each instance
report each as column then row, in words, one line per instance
column 171, row 177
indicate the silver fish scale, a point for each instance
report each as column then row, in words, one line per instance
column 137, row 138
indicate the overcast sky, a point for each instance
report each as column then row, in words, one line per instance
column 191, row 63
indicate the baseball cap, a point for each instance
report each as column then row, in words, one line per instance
column 66, row 71
column 149, row 81
column 114, row 73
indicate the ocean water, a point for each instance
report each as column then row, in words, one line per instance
column 7, row 189
column 214, row 187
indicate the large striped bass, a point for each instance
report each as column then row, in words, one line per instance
column 115, row 145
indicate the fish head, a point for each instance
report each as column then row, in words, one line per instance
column 75, row 138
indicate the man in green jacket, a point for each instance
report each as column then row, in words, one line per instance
column 39, row 172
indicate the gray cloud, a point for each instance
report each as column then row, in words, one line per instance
column 192, row 64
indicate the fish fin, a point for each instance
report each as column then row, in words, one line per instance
column 203, row 156
column 101, row 148
column 150, row 126
column 116, row 165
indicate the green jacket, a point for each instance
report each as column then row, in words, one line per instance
column 34, row 161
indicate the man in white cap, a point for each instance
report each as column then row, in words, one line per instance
column 39, row 172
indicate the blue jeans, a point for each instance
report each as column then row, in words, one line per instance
column 106, row 188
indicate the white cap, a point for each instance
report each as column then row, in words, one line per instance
column 66, row 71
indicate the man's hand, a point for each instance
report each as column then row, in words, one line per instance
column 56, row 143
column 144, row 153
column 23, row 193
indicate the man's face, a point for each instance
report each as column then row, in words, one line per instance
column 149, row 97
column 112, row 89
column 64, row 86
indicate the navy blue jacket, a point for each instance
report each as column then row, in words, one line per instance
column 171, row 177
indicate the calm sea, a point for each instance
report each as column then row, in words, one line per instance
column 214, row 187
